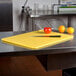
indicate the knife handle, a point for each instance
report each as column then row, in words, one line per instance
column 55, row 36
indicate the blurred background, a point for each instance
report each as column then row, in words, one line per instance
column 10, row 15
column 37, row 6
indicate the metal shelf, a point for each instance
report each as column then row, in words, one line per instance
column 35, row 16
column 53, row 13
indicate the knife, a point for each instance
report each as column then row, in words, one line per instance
column 49, row 36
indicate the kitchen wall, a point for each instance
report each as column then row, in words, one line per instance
column 17, row 7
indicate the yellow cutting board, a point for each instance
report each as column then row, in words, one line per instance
column 29, row 41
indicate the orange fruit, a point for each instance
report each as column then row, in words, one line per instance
column 61, row 28
column 70, row 30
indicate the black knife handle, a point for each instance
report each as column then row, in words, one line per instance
column 56, row 36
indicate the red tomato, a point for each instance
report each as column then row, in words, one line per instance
column 47, row 30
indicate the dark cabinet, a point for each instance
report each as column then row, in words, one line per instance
column 69, row 72
column 6, row 16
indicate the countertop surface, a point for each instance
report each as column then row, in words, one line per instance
column 11, row 50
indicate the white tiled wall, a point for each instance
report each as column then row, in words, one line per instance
column 17, row 6
column 16, row 13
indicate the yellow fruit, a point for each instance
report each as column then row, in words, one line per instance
column 70, row 30
column 62, row 28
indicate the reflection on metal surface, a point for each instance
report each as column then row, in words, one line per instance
column 46, row 22
column 5, row 1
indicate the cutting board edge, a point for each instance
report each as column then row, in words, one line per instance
column 34, row 48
